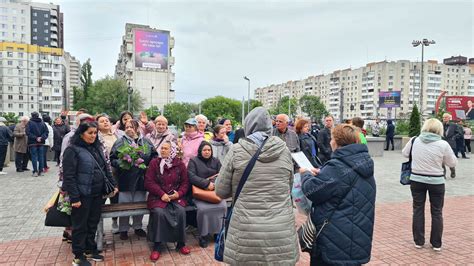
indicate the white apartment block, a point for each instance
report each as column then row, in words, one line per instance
column 73, row 77
column 146, row 69
column 349, row 93
column 31, row 79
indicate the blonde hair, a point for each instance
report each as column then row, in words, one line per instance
column 433, row 125
column 161, row 118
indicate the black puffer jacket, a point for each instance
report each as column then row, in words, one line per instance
column 59, row 132
column 34, row 129
column 134, row 178
column 306, row 140
column 82, row 176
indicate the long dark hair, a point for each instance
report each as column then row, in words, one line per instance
column 121, row 124
column 83, row 127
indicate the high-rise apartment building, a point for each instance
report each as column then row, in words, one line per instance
column 33, row 67
column 145, row 61
column 73, row 77
column 355, row 92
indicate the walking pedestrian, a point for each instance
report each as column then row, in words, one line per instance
column 467, row 136
column 429, row 153
column 390, row 133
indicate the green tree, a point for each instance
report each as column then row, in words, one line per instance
column 153, row 111
column 177, row 113
column 415, row 122
column 110, row 96
column 282, row 106
column 86, row 77
column 313, row 106
column 10, row 117
column 220, row 106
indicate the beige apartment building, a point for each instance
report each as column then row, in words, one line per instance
column 355, row 92
column 145, row 61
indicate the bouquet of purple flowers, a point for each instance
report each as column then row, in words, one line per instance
column 131, row 155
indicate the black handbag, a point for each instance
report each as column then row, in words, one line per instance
column 221, row 237
column 406, row 168
column 57, row 218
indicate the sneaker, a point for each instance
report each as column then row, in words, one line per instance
column 41, row 174
column 3, row 173
column 95, row 256
column 19, row 170
column 203, row 242
column 418, row 246
column 155, row 255
column 140, row 233
column 123, row 235
column 82, row 261
column 437, row 249
column 34, row 174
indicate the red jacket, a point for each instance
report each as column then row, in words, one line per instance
column 174, row 178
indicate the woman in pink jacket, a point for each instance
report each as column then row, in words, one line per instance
column 192, row 138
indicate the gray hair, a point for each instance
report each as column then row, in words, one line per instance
column 286, row 117
column 201, row 117
column 24, row 118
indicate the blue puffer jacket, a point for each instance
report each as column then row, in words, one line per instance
column 347, row 238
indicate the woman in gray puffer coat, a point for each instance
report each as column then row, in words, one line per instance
column 262, row 228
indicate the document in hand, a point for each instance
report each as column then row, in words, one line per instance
column 301, row 160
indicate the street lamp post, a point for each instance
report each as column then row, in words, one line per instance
column 415, row 43
column 129, row 91
column 248, row 94
column 151, row 98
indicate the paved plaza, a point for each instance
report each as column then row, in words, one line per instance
column 24, row 240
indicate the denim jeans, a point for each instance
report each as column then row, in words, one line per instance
column 436, row 193
column 37, row 158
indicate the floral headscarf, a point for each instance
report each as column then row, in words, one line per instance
column 168, row 161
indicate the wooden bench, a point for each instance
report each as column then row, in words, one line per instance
column 126, row 209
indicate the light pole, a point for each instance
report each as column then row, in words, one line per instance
column 248, row 94
column 423, row 43
column 151, row 99
column 129, row 91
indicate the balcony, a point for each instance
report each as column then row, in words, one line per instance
column 54, row 36
column 54, row 43
column 54, row 29
column 54, row 21
column 129, row 48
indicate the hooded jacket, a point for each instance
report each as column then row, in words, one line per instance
column 190, row 144
column 429, row 153
column 199, row 169
column 220, row 149
column 347, row 238
column 262, row 229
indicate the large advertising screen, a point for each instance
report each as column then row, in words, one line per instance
column 151, row 49
column 460, row 107
column 389, row 99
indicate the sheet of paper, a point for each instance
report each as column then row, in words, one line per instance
column 301, row 160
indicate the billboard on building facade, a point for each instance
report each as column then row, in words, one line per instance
column 460, row 107
column 151, row 49
column 389, row 99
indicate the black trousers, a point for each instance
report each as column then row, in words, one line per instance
column 84, row 225
column 467, row 143
column 436, row 193
column 57, row 155
column 3, row 154
column 21, row 160
column 388, row 141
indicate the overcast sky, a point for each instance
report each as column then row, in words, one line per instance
column 217, row 42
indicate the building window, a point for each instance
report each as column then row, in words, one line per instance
column 10, row 63
column 10, row 105
column 46, row 38
column 10, row 97
column 21, row 105
column 46, row 23
column 35, row 14
column 9, row 54
column 13, row 27
column 20, row 98
column 46, row 31
column 20, row 72
column 35, row 22
column 35, row 38
column 45, row 15
column 35, row 30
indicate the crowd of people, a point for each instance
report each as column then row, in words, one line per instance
column 136, row 159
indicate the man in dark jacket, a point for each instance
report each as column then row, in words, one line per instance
column 6, row 136
column 389, row 135
column 450, row 134
column 287, row 135
column 324, row 138
column 343, row 195
column 37, row 133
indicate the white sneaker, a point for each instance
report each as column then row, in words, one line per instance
column 418, row 246
column 3, row 173
column 437, row 249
